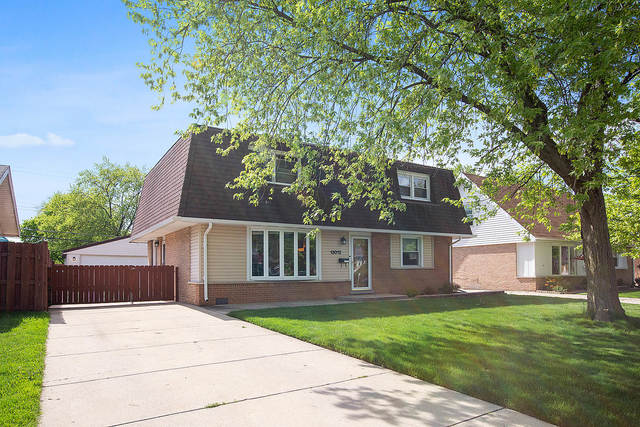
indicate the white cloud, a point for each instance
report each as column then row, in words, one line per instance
column 20, row 140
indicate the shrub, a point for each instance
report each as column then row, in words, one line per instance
column 556, row 284
column 411, row 293
column 429, row 291
column 448, row 288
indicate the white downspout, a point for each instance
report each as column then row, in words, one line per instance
column 206, row 262
column 451, row 260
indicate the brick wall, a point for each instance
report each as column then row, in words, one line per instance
column 178, row 254
column 250, row 292
column 385, row 280
column 489, row 267
column 625, row 276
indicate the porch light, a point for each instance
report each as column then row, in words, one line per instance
column 343, row 240
column 156, row 243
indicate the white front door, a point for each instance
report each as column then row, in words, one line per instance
column 360, row 263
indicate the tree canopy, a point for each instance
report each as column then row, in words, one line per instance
column 101, row 204
column 536, row 88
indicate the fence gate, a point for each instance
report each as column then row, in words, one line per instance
column 86, row 284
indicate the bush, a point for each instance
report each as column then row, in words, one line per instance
column 411, row 293
column 557, row 284
column 429, row 291
column 448, row 288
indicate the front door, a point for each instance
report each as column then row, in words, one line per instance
column 360, row 263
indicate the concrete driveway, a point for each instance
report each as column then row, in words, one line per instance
column 171, row 364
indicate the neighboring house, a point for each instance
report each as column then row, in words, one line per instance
column 9, row 223
column 260, row 253
column 118, row 251
column 504, row 255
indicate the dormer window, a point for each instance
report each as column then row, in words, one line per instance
column 284, row 171
column 414, row 186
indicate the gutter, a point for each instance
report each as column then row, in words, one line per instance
column 205, row 266
column 451, row 259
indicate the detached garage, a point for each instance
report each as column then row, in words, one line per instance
column 118, row 251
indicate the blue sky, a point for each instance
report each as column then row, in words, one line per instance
column 70, row 93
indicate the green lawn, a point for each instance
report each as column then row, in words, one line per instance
column 630, row 294
column 23, row 337
column 536, row 355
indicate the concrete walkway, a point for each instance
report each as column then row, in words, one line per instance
column 568, row 296
column 176, row 365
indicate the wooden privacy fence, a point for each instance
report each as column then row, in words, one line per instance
column 23, row 276
column 86, row 284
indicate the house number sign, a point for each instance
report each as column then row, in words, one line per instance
column 335, row 252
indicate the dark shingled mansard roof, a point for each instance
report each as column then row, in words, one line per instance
column 190, row 181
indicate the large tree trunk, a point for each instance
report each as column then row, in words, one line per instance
column 602, row 295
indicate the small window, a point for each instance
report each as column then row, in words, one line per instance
column 284, row 171
column 411, row 251
column 414, row 186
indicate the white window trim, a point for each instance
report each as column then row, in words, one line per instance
column 281, row 277
column 273, row 181
column 411, row 175
column 420, row 251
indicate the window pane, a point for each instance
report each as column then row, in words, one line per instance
column 409, row 245
column 285, row 173
column 274, row 253
column 565, row 260
column 312, row 256
column 555, row 260
column 404, row 181
column 289, row 252
column 257, row 253
column 302, row 254
column 573, row 262
column 419, row 187
column 410, row 258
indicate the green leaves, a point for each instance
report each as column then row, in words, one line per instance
column 514, row 84
column 100, row 205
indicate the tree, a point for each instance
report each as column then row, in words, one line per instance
column 548, row 86
column 101, row 204
column 623, row 205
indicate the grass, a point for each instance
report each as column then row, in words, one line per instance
column 537, row 355
column 630, row 294
column 625, row 294
column 23, row 337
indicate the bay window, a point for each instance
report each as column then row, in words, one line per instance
column 290, row 254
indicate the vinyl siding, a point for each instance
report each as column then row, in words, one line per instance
column 396, row 251
column 196, row 249
column 227, row 257
column 498, row 229
column 331, row 269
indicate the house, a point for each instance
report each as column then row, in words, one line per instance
column 118, row 251
column 9, row 223
column 244, row 253
column 504, row 255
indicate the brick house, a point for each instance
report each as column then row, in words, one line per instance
column 245, row 253
column 504, row 255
